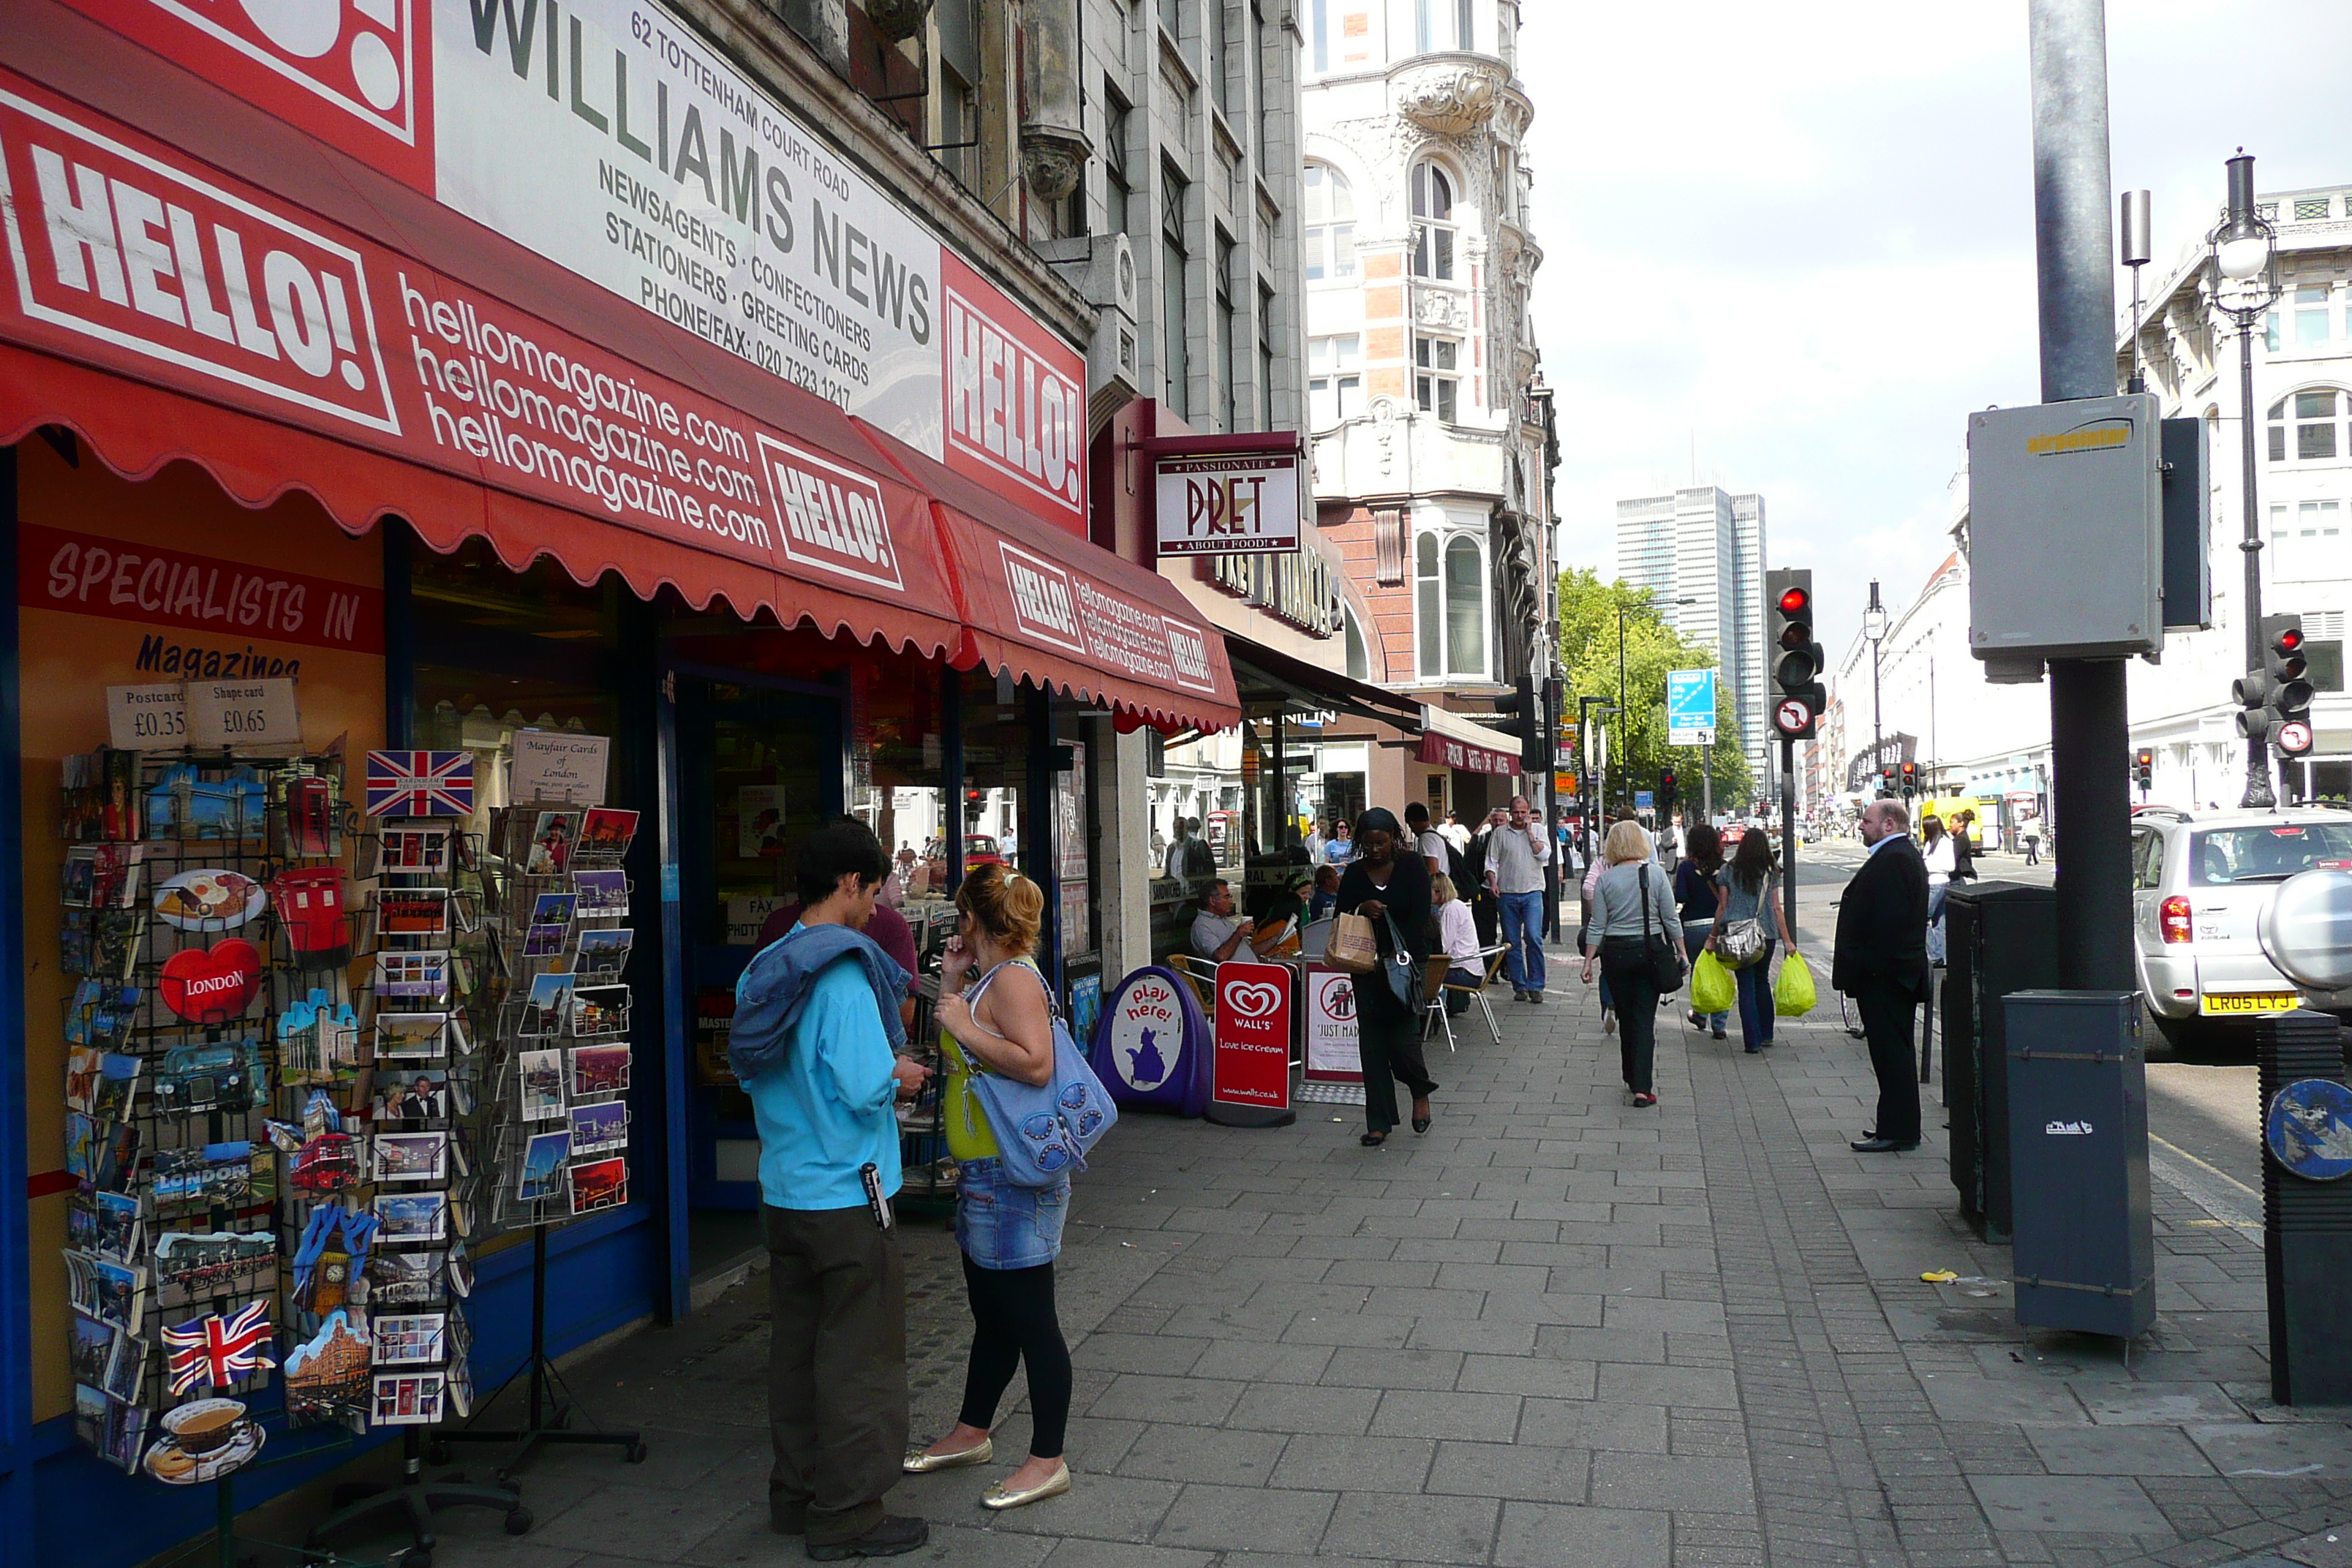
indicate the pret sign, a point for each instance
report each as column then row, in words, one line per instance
column 1215, row 503
column 1253, row 1054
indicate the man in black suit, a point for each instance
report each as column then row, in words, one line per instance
column 1882, row 962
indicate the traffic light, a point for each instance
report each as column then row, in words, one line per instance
column 2274, row 701
column 1797, row 660
column 1910, row 779
column 1666, row 790
column 1524, row 710
column 1886, row 779
column 2144, row 768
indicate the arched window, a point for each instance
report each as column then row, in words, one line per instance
column 1331, row 224
column 1432, row 221
column 1359, row 657
column 2310, row 425
column 1450, row 594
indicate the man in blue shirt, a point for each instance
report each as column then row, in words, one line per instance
column 816, row 1033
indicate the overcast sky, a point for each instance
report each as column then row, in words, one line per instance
column 1788, row 247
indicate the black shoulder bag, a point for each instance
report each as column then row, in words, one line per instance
column 1664, row 958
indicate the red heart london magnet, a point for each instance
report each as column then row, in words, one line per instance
column 212, row 985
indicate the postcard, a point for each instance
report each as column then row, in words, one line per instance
column 411, row 1036
column 604, row 951
column 542, row 1084
column 542, row 1175
column 408, row 1399
column 544, row 941
column 600, row 1069
column 102, row 1013
column 759, row 821
column 191, row 1264
column 90, row 1351
column 600, row 1185
column 411, row 1094
column 552, row 909
column 599, row 1010
column 403, row 1278
column 109, row 1292
column 412, row 912
column 100, row 1083
column 413, row 852
column 101, row 1155
column 421, row 975
column 601, row 894
column 411, row 1156
column 412, row 1216
column 596, row 1128
column 549, row 851
column 547, row 1008
column 107, row 1223
column 410, row 1340
column 607, row 831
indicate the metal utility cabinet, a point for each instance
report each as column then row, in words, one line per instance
column 2307, row 1228
column 2002, row 937
column 2085, row 1240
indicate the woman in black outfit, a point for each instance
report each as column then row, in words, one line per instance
column 1390, row 887
column 1694, row 901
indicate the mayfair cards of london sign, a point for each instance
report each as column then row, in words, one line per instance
column 1215, row 503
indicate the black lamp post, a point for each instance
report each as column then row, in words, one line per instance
column 1874, row 626
column 2246, row 285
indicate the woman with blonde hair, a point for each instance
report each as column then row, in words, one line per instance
column 1632, row 901
column 1457, row 938
column 1010, row 1235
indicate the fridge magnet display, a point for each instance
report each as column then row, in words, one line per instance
column 420, row 783
column 411, row 1036
column 422, row 975
column 190, row 1265
column 552, row 909
column 107, row 1223
column 411, row 1156
column 412, row 851
column 100, row 1156
column 413, row 1095
column 412, row 1216
column 325, row 1162
column 210, row 899
column 599, row 1184
column 102, row 1013
column 541, row 1172
column 211, row 986
column 542, row 1084
column 184, row 805
column 599, row 1010
column 100, row 1083
column 408, row 1399
column 410, row 1340
column 227, row 1076
column 412, row 912
column 308, row 815
column 546, row 1007
column 607, row 831
column 328, row 1376
column 602, row 894
column 759, row 822
column 219, row 1351
column 315, row 1038
column 334, row 1249
column 600, row 1069
column 596, row 1128
column 229, row 1174
column 603, row 953
column 309, row 903
column 552, row 834
column 203, row 1441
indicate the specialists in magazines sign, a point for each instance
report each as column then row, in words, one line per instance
column 124, row 253
column 1252, row 1036
column 1219, row 503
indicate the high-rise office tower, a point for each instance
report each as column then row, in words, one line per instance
column 1707, row 547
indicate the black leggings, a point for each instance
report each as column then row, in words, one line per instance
column 1013, row 1321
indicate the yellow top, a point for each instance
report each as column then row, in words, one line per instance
column 970, row 1137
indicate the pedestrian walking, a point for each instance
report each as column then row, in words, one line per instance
column 2030, row 835
column 1516, row 855
column 1882, row 962
column 1937, row 854
column 1632, row 900
column 1388, row 883
column 1964, row 848
column 1010, row 1235
column 1342, row 847
column 814, row 1041
column 1744, row 891
column 1695, row 901
column 1584, row 939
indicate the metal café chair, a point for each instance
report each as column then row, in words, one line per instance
column 1493, row 957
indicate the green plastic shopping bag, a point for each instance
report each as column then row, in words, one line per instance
column 1792, row 992
column 1712, row 988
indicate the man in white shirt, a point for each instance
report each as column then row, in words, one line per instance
column 1176, row 847
column 1431, row 844
column 1315, row 839
column 1218, row 933
column 1456, row 833
column 1517, row 854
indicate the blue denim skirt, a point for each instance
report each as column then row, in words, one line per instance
column 1001, row 1226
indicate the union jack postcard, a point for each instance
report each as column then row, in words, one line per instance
column 420, row 783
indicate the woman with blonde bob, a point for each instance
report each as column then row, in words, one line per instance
column 1010, row 1235
column 1617, row 936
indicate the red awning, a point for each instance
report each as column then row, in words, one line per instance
column 1067, row 615
column 402, row 378
column 1452, row 741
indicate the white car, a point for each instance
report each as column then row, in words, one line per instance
column 2199, row 881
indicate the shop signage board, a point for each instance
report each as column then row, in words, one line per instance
column 1252, row 1036
column 147, row 718
column 557, row 764
column 1332, row 1052
column 243, row 714
column 1446, row 752
column 1220, row 503
column 1690, row 707
column 608, row 137
column 1152, row 1045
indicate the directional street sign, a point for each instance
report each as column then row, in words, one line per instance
column 1690, row 707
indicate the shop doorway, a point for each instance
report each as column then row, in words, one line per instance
column 759, row 765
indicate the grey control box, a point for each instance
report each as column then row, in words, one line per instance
column 2065, row 530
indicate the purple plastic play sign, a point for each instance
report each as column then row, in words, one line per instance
column 1151, row 1044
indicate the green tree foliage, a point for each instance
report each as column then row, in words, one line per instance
column 1589, row 611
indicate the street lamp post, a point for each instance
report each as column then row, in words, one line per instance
column 2245, row 285
column 1874, row 626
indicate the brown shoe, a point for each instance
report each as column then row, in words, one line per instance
column 894, row 1536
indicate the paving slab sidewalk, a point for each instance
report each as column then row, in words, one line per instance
column 1556, row 1331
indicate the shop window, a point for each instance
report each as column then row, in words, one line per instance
column 1329, row 247
column 1433, row 223
column 2311, row 425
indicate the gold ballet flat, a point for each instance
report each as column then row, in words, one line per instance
column 918, row 1463
column 998, row 1497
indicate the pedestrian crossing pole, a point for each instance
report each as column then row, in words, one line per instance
column 1789, row 834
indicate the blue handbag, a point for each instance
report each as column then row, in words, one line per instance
column 1042, row 1131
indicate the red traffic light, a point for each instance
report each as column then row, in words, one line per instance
column 1795, row 601
column 2289, row 640
column 2147, row 758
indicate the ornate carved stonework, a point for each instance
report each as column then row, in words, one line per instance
column 1053, row 157
column 898, row 20
column 1449, row 97
column 1442, row 308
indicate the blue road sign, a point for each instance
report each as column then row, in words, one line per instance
column 1690, row 707
column 1642, row 801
